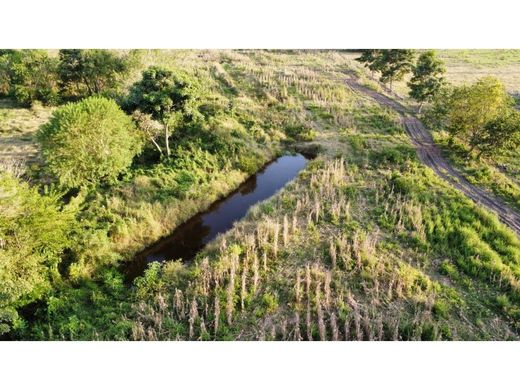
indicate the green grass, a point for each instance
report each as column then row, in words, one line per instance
column 500, row 175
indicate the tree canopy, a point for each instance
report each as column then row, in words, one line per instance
column 427, row 78
column 92, row 71
column 87, row 142
column 470, row 107
column 169, row 97
column 499, row 134
column 392, row 64
column 29, row 75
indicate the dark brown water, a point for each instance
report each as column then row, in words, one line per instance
column 190, row 237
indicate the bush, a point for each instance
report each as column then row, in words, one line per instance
column 89, row 142
column 93, row 71
column 33, row 235
column 28, row 76
column 393, row 155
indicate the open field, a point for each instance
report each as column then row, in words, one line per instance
column 466, row 66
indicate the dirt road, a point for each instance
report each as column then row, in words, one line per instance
column 430, row 154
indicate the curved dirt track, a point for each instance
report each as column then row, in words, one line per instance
column 430, row 155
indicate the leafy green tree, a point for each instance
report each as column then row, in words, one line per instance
column 33, row 234
column 93, row 71
column 470, row 107
column 88, row 142
column 499, row 134
column 29, row 75
column 170, row 97
column 427, row 79
column 394, row 64
column 371, row 59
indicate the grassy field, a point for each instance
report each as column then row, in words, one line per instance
column 366, row 244
column 466, row 66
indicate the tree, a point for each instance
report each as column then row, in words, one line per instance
column 87, row 142
column 34, row 231
column 470, row 107
column 29, row 75
column 92, row 71
column 427, row 79
column 169, row 97
column 394, row 64
column 499, row 134
column 370, row 58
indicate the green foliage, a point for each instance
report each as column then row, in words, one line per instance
column 33, row 234
column 93, row 71
column 91, row 310
column 391, row 156
column 28, row 76
column 300, row 132
column 370, row 58
column 427, row 78
column 162, row 92
column 394, row 64
column 499, row 134
column 469, row 108
column 173, row 98
column 88, row 142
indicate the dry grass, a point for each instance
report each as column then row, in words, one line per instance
column 466, row 66
column 17, row 129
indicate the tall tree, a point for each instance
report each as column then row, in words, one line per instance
column 394, row 64
column 370, row 58
column 427, row 79
column 170, row 97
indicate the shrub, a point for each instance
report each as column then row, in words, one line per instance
column 33, row 235
column 88, row 142
column 28, row 76
column 93, row 71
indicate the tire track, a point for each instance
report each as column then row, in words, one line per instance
column 430, row 155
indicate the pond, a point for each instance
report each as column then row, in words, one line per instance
column 191, row 236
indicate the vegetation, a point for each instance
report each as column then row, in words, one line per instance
column 88, row 142
column 29, row 75
column 392, row 64
column 168, row 97
column 478, row 128
column 365, row 244
column 427, row 79
column 93, row 71
column 34, row 232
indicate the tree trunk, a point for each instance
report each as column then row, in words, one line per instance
column 391, row 82
column 420, row 107
column 167, row 139
column 156, row 145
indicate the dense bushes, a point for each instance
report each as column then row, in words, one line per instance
column 93, row 71
column 29, row 75
column 88, row 142
column 34, row 75
column 477, row 115
column 33, row 234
